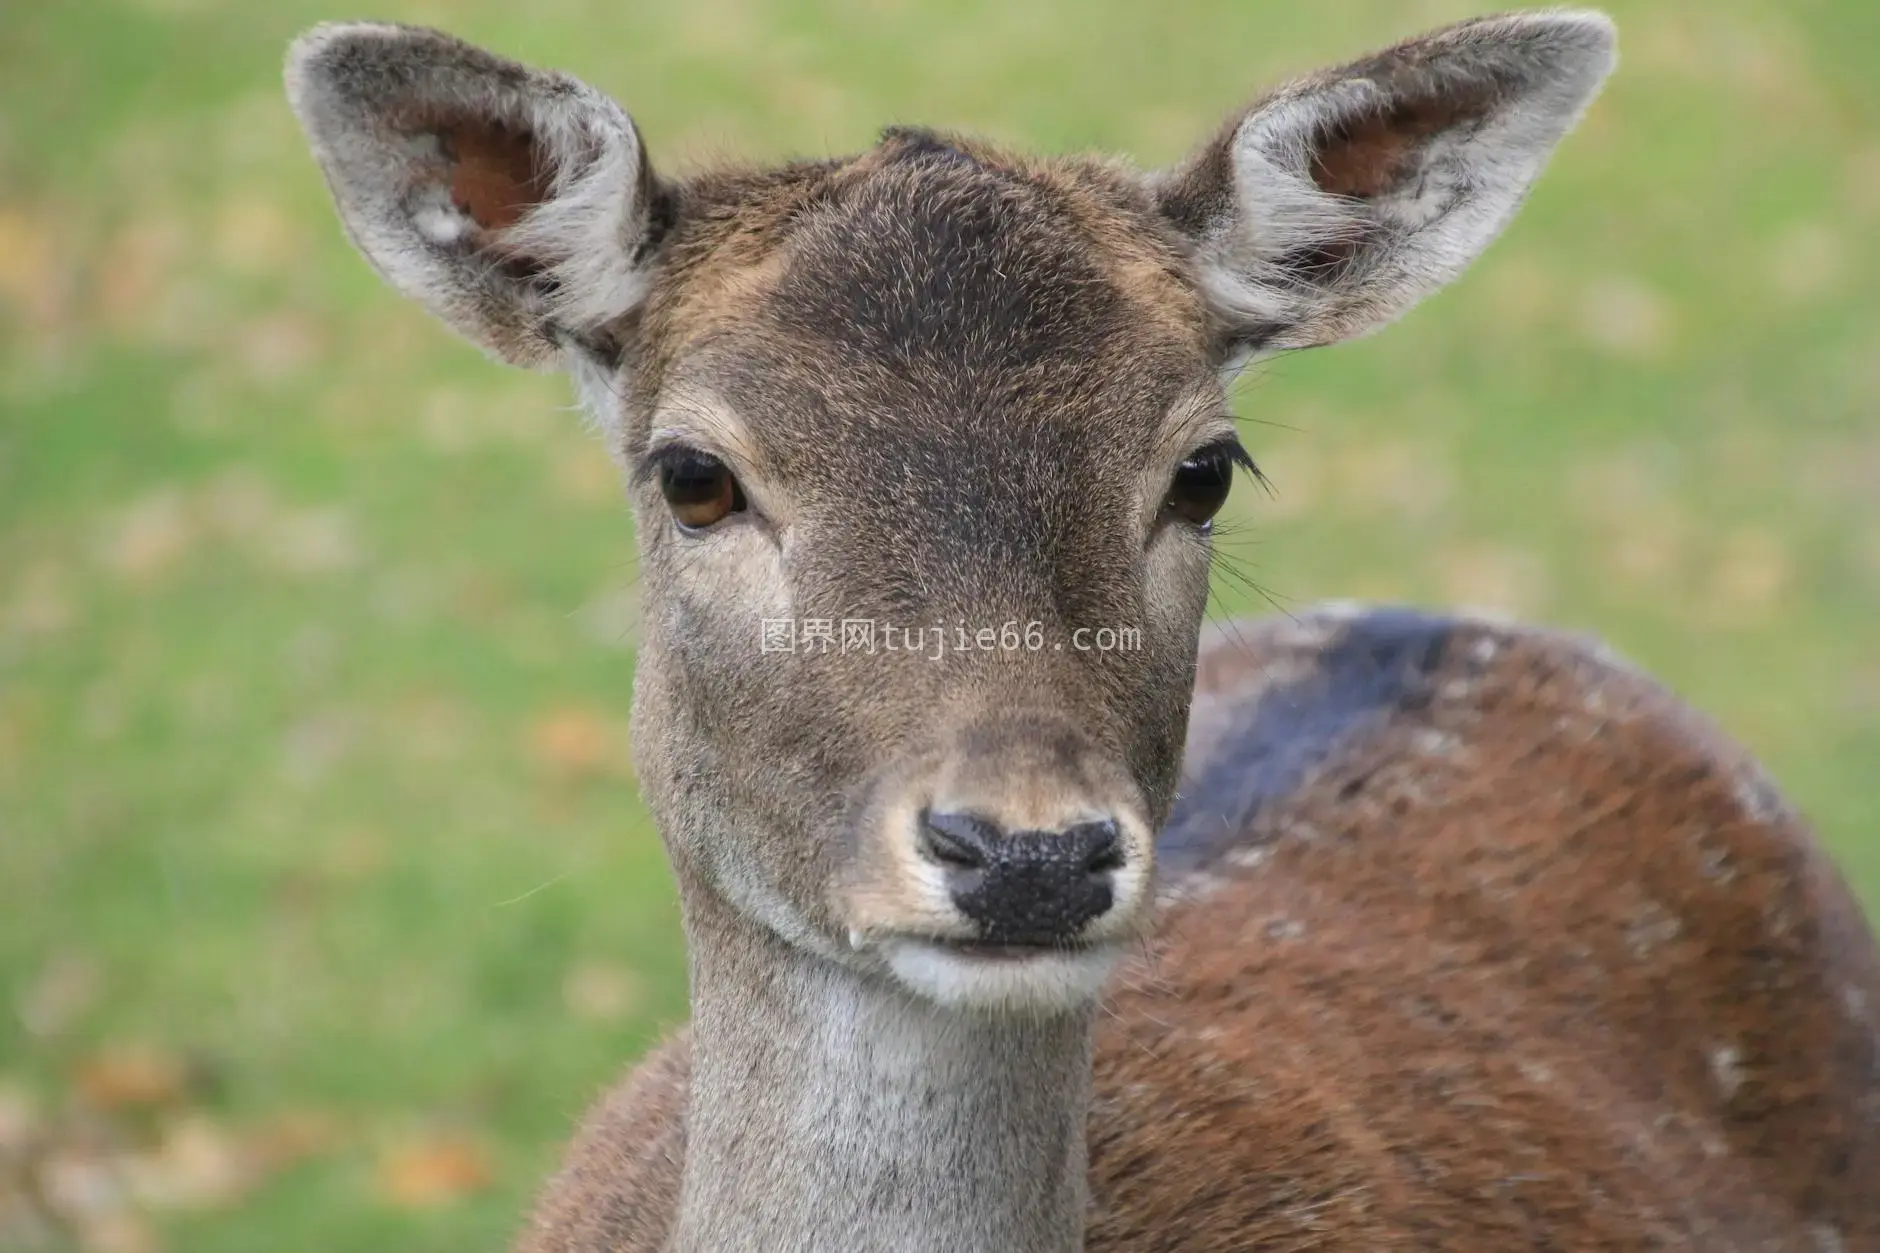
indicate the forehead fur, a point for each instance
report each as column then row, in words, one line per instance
column 928, row 257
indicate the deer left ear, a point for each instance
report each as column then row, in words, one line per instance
column 515, row 204
column 1340, row 201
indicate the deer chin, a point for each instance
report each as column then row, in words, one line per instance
column 1002, row 978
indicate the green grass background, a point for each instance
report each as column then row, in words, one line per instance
column 316, row 628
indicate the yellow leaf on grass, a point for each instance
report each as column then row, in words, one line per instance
column 136, row 1075
column 197, row 1164
column 434, row 1172
column 575, row 742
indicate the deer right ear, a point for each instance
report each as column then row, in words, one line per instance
column 1341, row 200
column 515, row 204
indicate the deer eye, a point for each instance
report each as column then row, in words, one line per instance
column 699, row 488
column 1201, row 483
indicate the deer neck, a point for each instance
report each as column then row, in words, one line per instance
column 832, row 1110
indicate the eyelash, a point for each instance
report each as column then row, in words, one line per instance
column 1234, row 450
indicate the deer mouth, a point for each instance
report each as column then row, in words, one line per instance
column 991, row 950
column 989, row 975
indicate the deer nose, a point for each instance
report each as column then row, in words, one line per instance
column 1025, row 887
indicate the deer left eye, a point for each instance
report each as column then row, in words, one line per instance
column 700, row 489
column 1202, row 482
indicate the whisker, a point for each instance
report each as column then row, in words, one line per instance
column 541, row 887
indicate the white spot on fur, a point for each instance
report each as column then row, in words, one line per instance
column 1292, row 828
column 1433, row 743
column 1456, row 690
column 1193, row 886
column 439, row 220
column 1651, row 927
column 1537, row 1073
column 1757, row 796
column 1854, row 1000
column 1827, row 1238
column 1248, row 856
column 1726, row 1069
column 1282, row 929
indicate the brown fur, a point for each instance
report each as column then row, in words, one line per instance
column 495, row 177
column 1373, row 154
column 1540, row 962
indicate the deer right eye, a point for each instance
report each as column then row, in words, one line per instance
column 1201, row 483
column 700, row 489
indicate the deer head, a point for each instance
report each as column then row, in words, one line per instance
column 971, row 399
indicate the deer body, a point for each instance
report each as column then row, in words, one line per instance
column 1473, row 939
column 1458, row 937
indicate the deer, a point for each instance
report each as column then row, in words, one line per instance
column 1363, row 927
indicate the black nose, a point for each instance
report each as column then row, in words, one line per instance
column 1024, row 887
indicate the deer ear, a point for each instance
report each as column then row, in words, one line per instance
column 515, row 204
column 1339, row 201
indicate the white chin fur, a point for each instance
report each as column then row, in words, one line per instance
column 1045, row 983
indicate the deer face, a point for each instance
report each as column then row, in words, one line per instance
column 959, row 431
column 923, row 447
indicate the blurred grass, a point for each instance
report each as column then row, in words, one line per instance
column 316, row 629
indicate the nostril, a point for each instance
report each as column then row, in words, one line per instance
column 1098, row 845
column 1029, row 886
column 958, row 841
